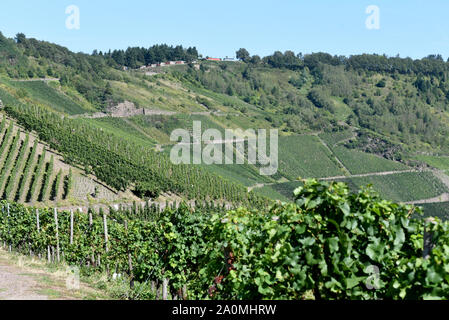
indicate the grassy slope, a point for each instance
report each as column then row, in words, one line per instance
column 359, row 163
column 306, row 157
column 44, row 94
column 406, row 186
column 401, row 187
column 440, row 210
column 441, row 163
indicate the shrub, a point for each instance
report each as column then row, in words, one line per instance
column 329, row 243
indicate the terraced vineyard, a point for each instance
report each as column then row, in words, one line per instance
column 270, row 192
column 402, row 187
column 120, row 127
column 281, row 191
column 27, row 170
column 399, row 187
column 440, row 210
column 359, row 162
column 332, row 138
column 246, row 174
column 437, row 162
column 43, row 93
column 305, row 156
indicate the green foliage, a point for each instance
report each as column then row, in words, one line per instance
column 36, row 177
column 121, row 163
column 405, row 186
column 381, row 84
column 358, row 162
column 286, row 188
column 6, row 137
column 205, row 102
column 45, row 94
column 8, row 194
column 68, row 184
column 305, row 156
column 438, row 209
column 441, row 162
column 146, row 190
column 321, row 100
column 9, row 160
column 46, row 180
column 26, row 172
column 243, row 55
column 270, row 191
column 56, row 185
column 328, row 244
column 335, row 137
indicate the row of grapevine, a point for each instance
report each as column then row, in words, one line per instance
column 68, row 184
column 36, row 177
column 23, row 179
column 6, row 136
column 325, row 245
column 47, row 175
column 9, row 160
column 56, row 186
column 18, row 166
column 113, row 243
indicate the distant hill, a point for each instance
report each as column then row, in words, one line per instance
column 353, row 118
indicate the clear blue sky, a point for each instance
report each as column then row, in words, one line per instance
column 412, row 28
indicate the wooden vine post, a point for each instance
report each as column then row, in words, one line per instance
column 130, row 264
column 37, row 221
column 105, row 225
column 7, row 208
column 165, row 289
column 38, row 228
column 57, row 235
column 3, row 212
column 71, row 226
column 92, row 258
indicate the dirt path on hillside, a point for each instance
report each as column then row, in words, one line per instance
column 383, row 173
column 22, row 278
column 441, row 198
column 14, row 285
column 439, row 174
column 33, row 80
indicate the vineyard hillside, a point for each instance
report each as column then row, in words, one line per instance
column 33, row 173
column 364, row 119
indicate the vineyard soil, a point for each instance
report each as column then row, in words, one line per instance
column 22, row 278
